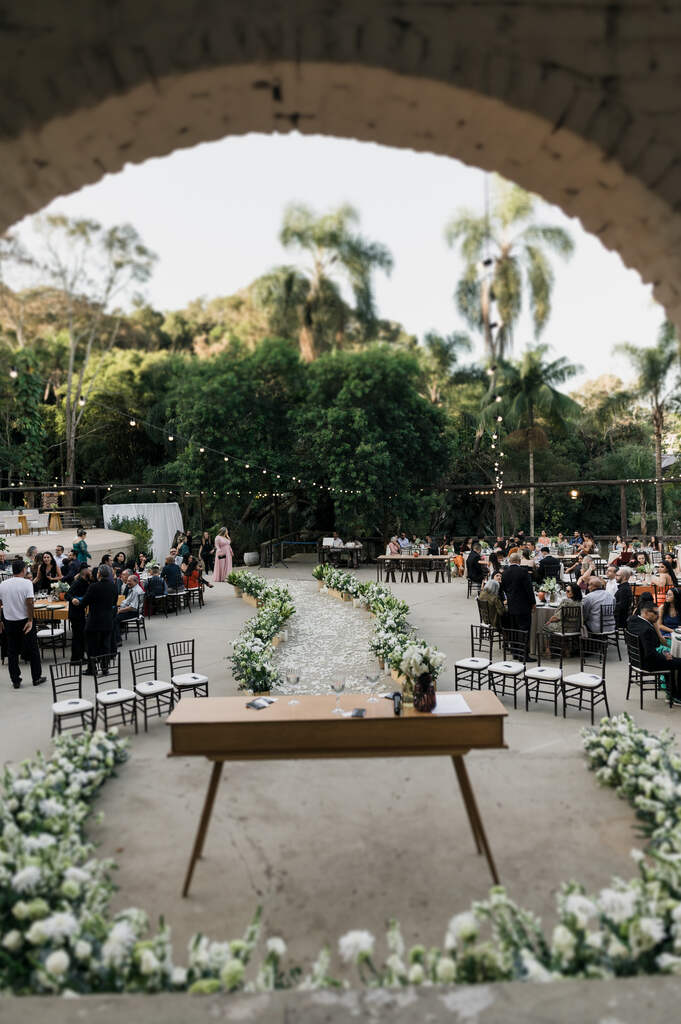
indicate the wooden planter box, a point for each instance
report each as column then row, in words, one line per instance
column 251, row 600
column 346, row 597
column 238, row 592
column 320, row 584
column 275, row 641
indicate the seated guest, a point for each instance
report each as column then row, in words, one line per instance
column 156, row 585
column 596, row 599
column 336, row 541
column 611, row 583
column 191, row 573
column 670, row 613
column 643, row 625
column 176, row 557
column 393, row 547
column 619, row 543
column 626, row 555
column 624, row 596
column 133, row 605
column 561, row 539
column 489, row 599
column 549, row 567
column 666, row 574
column 141, row 563
column 120, row 561
column 543, row 540
column 576, row 539
column 59, row 555
column 586, row 573
column 172, row 573
column 495, row 565
column 474, row 570
column 572, row 599
column 403, row 540
column 432, row 548
column 122, row 583
column 526, row 559
column 47, row 572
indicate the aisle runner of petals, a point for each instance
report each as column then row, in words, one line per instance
column 327, row 640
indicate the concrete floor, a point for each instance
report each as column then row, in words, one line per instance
column 327, row 846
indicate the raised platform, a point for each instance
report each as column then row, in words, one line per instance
column 99, row 542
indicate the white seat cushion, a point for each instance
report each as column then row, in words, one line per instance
column 543, row 672
column 472, row 663
column 72, row 706
column 189, row 679
column 152, row 687
column 583, row 679
column 115, row 696
column 507, row 668
column 46, row 634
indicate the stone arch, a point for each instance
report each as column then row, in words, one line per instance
column 574, row 101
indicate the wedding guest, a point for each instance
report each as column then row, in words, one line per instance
column 156, row 584
column 122, row 583
column 393, row 547
column 572, row 599
column 611, row 582
column 59, row 555
column 223, row 556
column 624, row 596
column 78, row 589
column 16, row 603
column 595, row 601
column 543, row 540
column 549, row 567
column 207, row 551
column 100, row 602
column 133, row 605
column 80, row 547
column 516, row 586
column 642, row 625
column 48, row 572
column 403, row 540
column 120, row 561
column 172, row 574
column 489, row 598
column 670, row 617
column 586, row 573
column 183, row 549
column 474, row 570
column 141, row 563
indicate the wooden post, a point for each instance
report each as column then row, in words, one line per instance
column 497, row 512
column 623, row 511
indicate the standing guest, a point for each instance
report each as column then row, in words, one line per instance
column 16, row 603
column 223, row 556
column 207, row 551
column 70, row 567
column 34, row 568
column 172, row 574
column 79, row 589
column 133, row 605
column 80, row 547
column 611, row 582
column 642, row 625
column 47, row 573
column 549, row 567
column 624, row 596
column 595, row 600
column 189, row 539
column 32, row 553
column 494, row 563
column 100, row 601
column 59, row 555
column 516, row 587
column 183, row 548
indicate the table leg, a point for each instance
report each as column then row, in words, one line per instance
column 203, row 824
column 473, row 814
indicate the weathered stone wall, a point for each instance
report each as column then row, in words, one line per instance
column 576, row 99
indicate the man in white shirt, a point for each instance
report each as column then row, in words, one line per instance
column 336, row 541
column 133, row 604
column 404, row 540
column 595, row 600
column 16, row 599
column 611, row 583
column 59, row 555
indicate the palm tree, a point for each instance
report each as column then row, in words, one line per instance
column 440, row 357
column 505, row 252
column 528, row 392
column 335, row 250
column 653, row 365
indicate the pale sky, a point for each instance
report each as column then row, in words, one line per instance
column 213, row 214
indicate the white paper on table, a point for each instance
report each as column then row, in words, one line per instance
column 451, row 704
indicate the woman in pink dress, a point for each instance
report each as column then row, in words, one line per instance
column 223, row 556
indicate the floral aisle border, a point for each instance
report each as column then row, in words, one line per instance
column 56, row 934
column 252, row 663
column 392, row 643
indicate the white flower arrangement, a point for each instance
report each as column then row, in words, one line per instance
column 252, row 655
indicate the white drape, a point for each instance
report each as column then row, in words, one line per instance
column 164, row 519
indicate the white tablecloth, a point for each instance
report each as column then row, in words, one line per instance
column 676, row 646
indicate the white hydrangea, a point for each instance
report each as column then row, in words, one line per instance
column 76, row 875
column 563, row 942
column 51, row 808
column 82, row 950
column 416, row 974
column 13, row 940
column 534, row 970
column 356, row 944
column 445, row 972
column 653, row 930
column 462, row 928
column 179, row 977
column 149, row 962
column 40, row 842
column 580, row 908
column 618, row 904
column 277, row 946
column 57, row 963
column 27, row 879
column 117, row 946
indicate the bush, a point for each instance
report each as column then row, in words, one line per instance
column 139, row 528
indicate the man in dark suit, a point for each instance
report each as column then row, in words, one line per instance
column 643, row 626
column 79, row 589
column 624, row 597
column 100, row 601
column 516, row 586
column 477, row 573
column 549, row 567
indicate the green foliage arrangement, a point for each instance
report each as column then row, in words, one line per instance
column 138, row 527
column 252, row 663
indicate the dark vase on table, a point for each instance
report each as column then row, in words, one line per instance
column 424, row 692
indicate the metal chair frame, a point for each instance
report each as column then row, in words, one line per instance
column 593, row 653
column 482, row 642
column 646, row 679
column 181, row 659
column 46, row 617
column 517, row 642
column 67, row 684
column 144, row 663
column 103, row 666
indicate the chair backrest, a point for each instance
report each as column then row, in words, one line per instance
column 516, row 644
column 593, row 654
column 482, row 640
column 655, row 557
column 112, row 664
column 181, row 656
column 570, row 618
column 143, row 663
column 67, row 680
column 552, row 572
column 45, row 616
column 607, row 618
column 483, row 611
column 633, row 649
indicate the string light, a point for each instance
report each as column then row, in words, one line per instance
column 133, row 423
column 14, row 373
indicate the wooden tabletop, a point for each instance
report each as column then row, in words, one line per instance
column 386, row 558
column 224, row 728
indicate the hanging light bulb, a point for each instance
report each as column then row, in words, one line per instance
column 226, row 459
column 202, row 450
column 498, row 398
column 14, row 373
column 170, row 437
column 133, row 423
column 81, row 401
column 499, row 419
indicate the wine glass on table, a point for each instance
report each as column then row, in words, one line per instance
column 338, row 687
column 292, row 679
column 372, row 679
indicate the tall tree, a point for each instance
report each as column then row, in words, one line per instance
column 529, row 392
column 94, row 269
column 505, row 253
column 337, row 253
column 654, row 365
column 440, row 356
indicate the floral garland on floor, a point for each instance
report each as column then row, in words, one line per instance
column 56, row 934
column 392, row 642
column 252, row 663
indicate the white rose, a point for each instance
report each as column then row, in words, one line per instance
column 356, row 944
column 38, row 933
column 445, row 972
column 563, row 942
column 27, row 879
column 149, row 963
column 416, row 974
column 82, row 950
column 580, row 908
column 462, row 928
column 57, row 963
column 277, row 946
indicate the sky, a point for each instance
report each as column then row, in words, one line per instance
column 213, row 213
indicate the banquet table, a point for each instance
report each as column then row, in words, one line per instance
column 226, row 729
column 350, row 553
column 540, row 616
column 59, row 609
column 416, row 562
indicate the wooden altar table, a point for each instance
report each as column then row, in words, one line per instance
column 224, row 729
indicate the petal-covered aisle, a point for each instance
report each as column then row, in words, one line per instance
column 327, row 639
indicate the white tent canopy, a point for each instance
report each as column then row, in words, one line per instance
column 164, row 519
